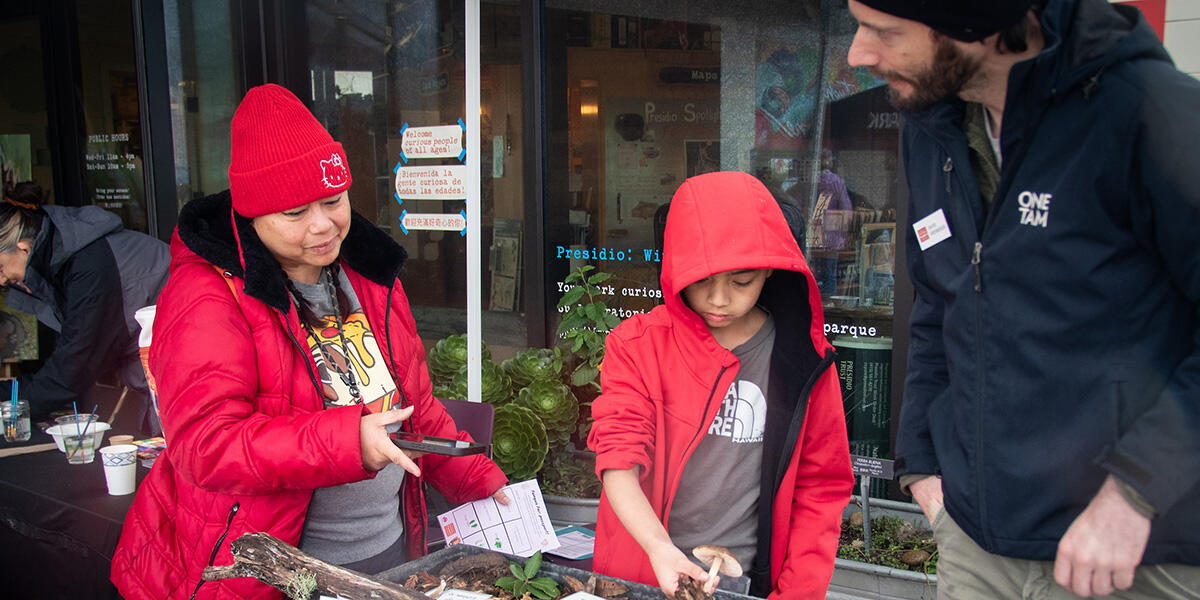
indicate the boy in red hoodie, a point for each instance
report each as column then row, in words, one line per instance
column 720, row 420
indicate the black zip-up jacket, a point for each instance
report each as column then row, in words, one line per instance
column 87, row 276
column 1055, row 339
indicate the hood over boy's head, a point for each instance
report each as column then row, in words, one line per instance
column 724, row 221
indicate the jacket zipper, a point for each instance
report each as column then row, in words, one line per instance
column 695, row 439
column 213, row 557
column 805, row 393
column 976, row 258
column 308, row 356
column 976, row 261
column 977, row 253
column 387, row 336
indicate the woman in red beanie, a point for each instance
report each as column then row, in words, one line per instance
column 284, row 351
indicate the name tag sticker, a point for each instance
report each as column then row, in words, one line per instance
column 932, row 229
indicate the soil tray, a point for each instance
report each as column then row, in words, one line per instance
column 433, row 563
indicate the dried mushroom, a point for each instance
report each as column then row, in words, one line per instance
column 719, row 560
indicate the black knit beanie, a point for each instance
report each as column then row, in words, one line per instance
column 963, row 20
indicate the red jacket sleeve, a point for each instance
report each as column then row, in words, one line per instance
column 624, row 414
column 223, row 433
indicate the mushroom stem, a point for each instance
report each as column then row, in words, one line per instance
column 710, row 585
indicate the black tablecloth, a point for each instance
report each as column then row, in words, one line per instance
column 58, row 525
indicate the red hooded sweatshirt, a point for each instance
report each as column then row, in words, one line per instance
column 664, row 376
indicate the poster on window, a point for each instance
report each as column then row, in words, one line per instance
column 651, row 145
column 113, row 177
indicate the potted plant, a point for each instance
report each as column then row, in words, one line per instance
column 585, row 324
column 903, row 558
column 543, row 398
column 569, row 482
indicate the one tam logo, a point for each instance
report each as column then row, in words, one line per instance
column 1034, row 208
column 334, row 171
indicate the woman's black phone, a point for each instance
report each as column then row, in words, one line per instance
column 435, row 445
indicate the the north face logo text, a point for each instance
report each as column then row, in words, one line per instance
column 1035, row 208
column 334, row 172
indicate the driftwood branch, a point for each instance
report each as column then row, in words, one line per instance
column 287, row 569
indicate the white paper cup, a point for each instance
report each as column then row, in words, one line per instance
column 120, row 468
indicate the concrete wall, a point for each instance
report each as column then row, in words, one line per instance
column 1183, row 34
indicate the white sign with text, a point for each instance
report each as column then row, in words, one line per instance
column 431, row 183
column 438, row 141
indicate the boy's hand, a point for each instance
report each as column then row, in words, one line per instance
column 669, row 563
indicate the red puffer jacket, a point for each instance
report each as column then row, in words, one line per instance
column 664, row 377
column 248, row 437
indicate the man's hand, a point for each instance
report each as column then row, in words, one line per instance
column 928, row 493
column 1103, row 546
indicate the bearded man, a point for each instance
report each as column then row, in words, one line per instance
column 1050, row 427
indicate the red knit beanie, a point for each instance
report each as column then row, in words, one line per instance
column 280, row 157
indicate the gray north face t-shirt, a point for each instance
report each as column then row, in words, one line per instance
column 717, row 502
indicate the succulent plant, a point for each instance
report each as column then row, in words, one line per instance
column 532, row 364
column 519, row 442
column 449, row 356
column 555, row 405
column 496, row 387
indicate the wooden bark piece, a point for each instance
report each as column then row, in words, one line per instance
column 279, row 565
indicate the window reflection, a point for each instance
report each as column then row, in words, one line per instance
column 378, row 67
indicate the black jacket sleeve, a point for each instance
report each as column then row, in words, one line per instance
column 94, row 336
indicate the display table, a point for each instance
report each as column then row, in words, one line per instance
column 58, row 525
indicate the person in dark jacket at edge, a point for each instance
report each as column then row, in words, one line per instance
column 82, row 275
column 1050, row 427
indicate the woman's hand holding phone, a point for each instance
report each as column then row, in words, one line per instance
column 378, row 450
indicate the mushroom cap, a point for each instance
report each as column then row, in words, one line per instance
column 729, row 563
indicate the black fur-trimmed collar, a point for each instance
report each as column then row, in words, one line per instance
column 206, row 229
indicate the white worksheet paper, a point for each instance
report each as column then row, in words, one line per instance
column 520, row 528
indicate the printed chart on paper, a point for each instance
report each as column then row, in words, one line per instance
column 520, row 528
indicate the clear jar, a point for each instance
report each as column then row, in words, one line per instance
column 16, row 427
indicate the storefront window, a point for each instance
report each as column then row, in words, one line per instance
column 24, row 138
column 652, row 94
column 638, row 98
column 108, row 94
column 380, row 68
column 72, row 103
column 202, row 71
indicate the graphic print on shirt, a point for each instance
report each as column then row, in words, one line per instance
column 366, row 360
column 743, row 414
